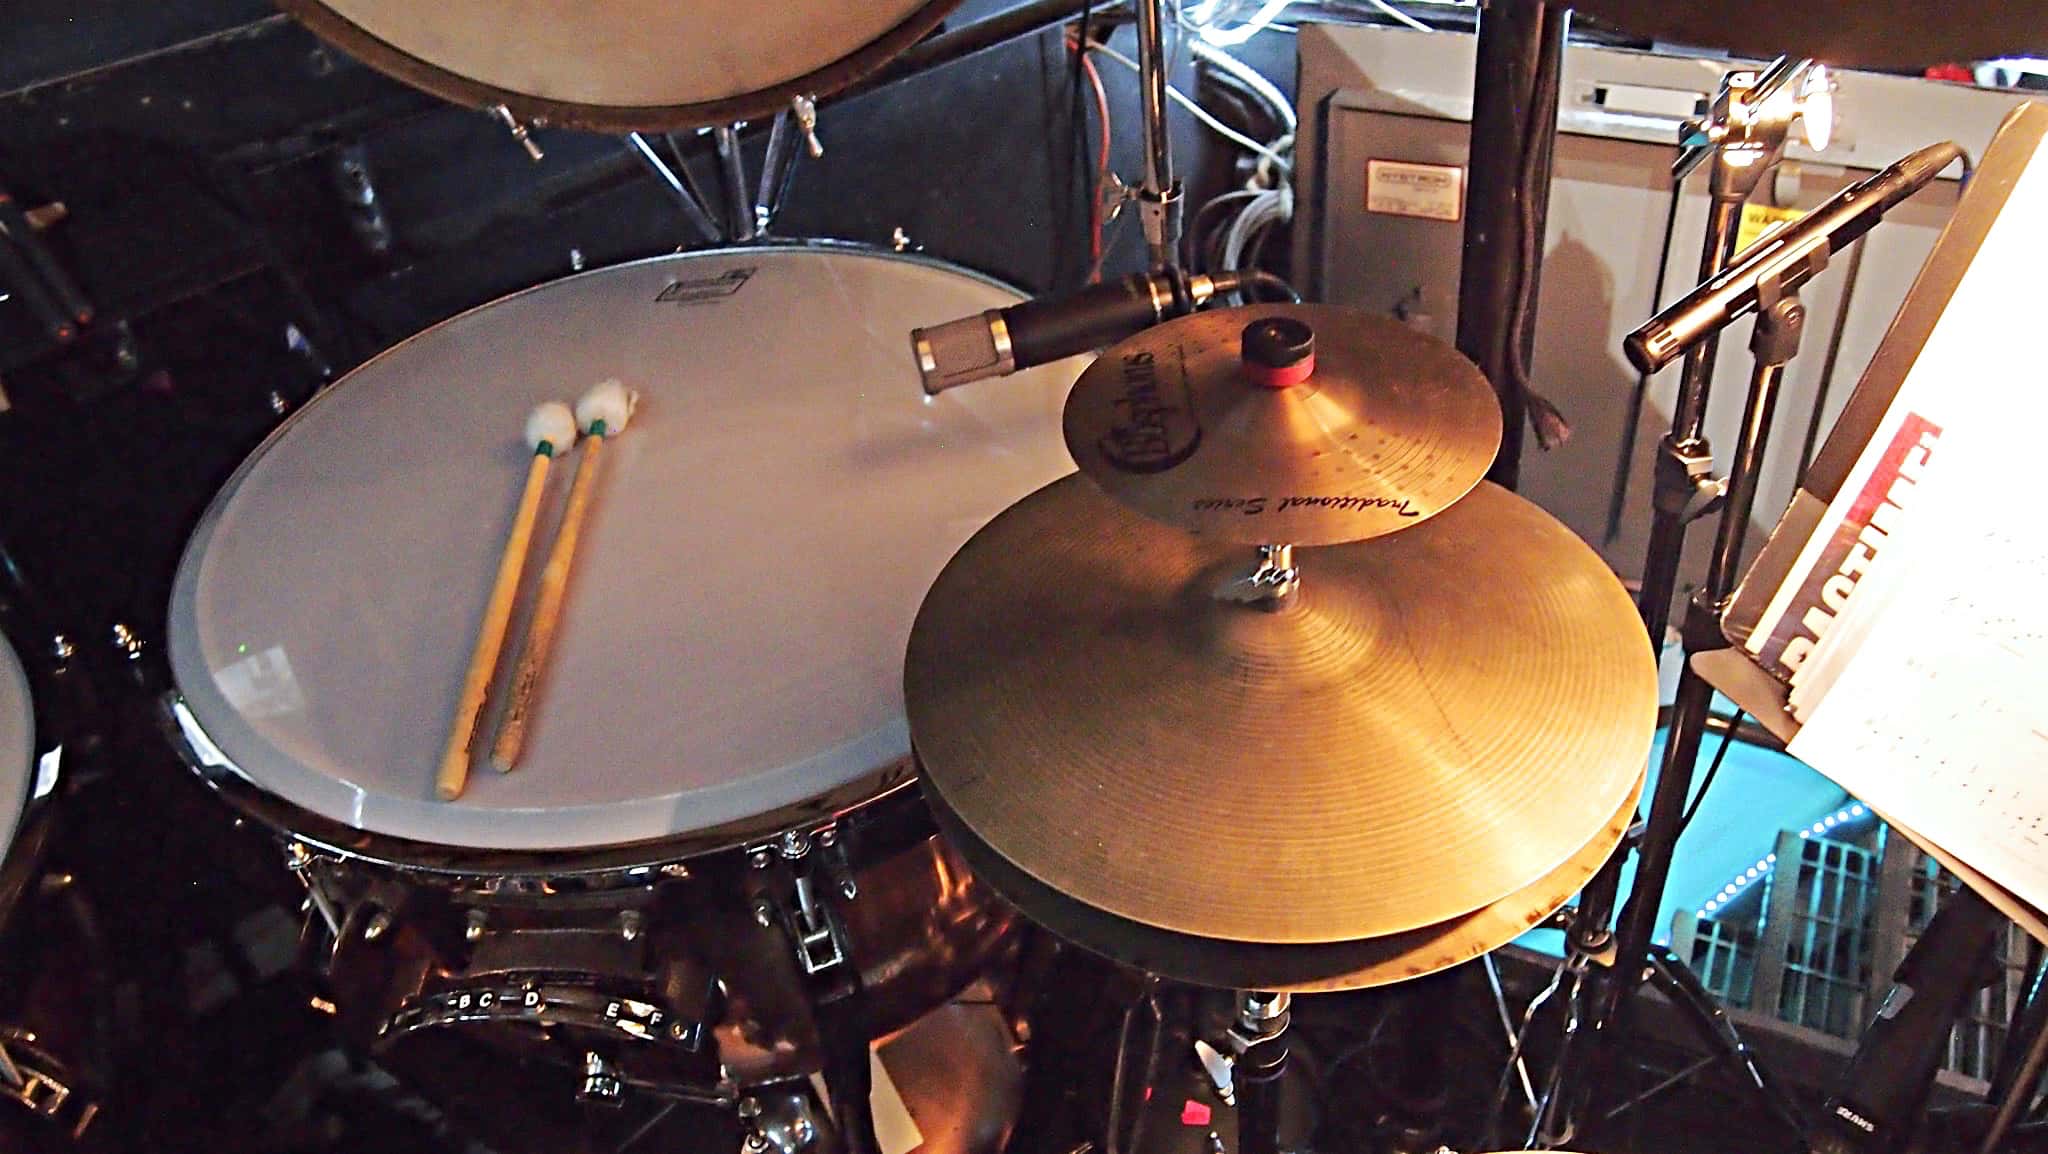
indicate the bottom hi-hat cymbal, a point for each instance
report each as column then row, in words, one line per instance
column 1431, row 721
column 1296, row 969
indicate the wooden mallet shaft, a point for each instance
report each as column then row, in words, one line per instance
column 547, row 612
column 490, row 638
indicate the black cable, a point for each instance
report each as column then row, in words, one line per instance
column 1542, row 118
column 1260, row 278
column 1712, row 768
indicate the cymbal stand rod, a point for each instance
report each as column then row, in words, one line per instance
column 1159, row 199
column 1260, row 1037
column 686, row 198
column 1270, row 584
column 739, row 207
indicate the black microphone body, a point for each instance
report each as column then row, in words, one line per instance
column 1797, row 252
column 1881, row 1099
column 1036, row 332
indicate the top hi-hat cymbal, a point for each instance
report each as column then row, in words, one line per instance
column 1429, row 722
column 1284, row 424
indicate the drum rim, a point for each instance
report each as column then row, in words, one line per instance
column 335, row 29
column 15, row 813
column 633, row 860
column 339, row 839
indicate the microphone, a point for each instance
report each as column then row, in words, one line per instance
column 1797, row 253
column 1882, row 1097
column 999, row 342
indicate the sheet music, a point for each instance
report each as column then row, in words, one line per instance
column 1938, row 710
column 1928, row 697
column 1978, row 354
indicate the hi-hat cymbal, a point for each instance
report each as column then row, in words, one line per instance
column 1433, row 720
column 1300, row 969
column 1389, row 427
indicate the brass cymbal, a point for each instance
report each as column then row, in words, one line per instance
column 1430, row 722
column 1390, row 427
column 1300, row 969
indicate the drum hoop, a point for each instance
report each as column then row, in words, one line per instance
column 325, row 836
column 456, row 88
column 35, row 817
column 341, row 840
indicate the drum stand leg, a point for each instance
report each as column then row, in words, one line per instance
column 849, row 1079
column 1261, row 1032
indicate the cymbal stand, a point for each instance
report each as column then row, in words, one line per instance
column 1744, row 137
column 1159, row 198
column 1259, row 1040
column 1780, row 323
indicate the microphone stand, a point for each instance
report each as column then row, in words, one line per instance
column 1159, row 198
column 1745, row 137
column 1599, row 1020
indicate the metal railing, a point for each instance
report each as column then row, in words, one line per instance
column 1831, row 920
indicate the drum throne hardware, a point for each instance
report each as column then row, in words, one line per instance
column 706, row 890
column 1216, row 756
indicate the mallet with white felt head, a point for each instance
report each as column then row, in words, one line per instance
column 602, row 412
column 550, row 429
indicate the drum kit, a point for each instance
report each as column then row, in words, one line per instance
column 857, row 688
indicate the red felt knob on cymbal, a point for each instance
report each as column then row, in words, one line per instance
column 1278, row 351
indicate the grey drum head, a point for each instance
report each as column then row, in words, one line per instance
column 761, row 537
column 17, row 745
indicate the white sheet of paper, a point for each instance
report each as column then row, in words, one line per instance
column 1929, row 699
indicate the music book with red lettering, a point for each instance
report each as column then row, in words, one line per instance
column 1889, row 434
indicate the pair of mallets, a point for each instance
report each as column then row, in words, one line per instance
column 550, row 429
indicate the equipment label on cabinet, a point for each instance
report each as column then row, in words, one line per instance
column 1401, row 188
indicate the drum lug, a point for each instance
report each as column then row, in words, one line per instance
column 518, row 129
column 818, row 933
column 601, row 1082
column 778, row 1121
column 42, row 1094
column 800, row 892
column 794, row 845
column 302, row 862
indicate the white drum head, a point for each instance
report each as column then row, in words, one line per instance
column 761, row 537
column 17, row 744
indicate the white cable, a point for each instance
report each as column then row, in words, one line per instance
column 1250, row 77
column 1202, row 114
column 1268, row 208
column 1399, row 16
column 1223, row 37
